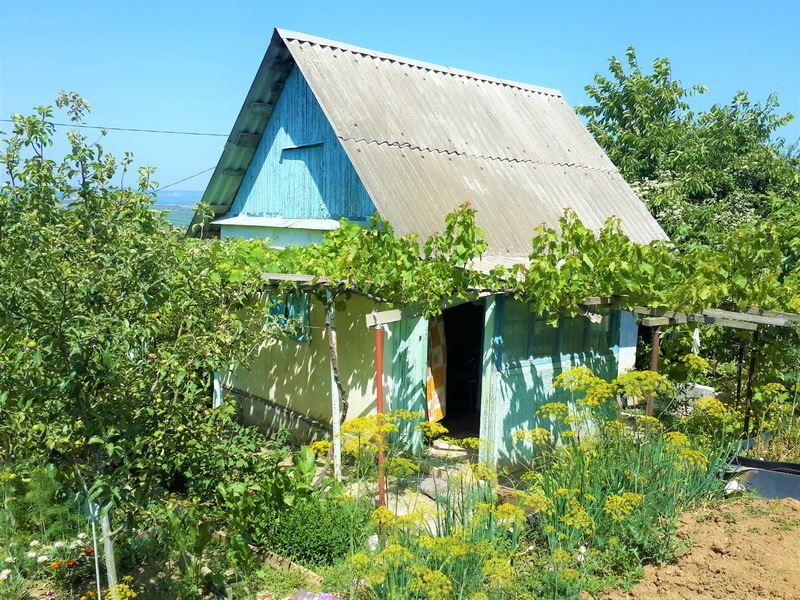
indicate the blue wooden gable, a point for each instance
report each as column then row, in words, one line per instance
column 300, row 170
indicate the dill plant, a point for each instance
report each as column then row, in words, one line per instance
column 463, row 546
column 609, row 496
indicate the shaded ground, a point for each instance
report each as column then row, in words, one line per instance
column 746, row 549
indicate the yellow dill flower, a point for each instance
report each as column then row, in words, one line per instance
column 620, row 506
column 482, row 548
column 571, row 420
column 570, row 574
column 565, row 492
column 538, row 436
column 676, row 439
column 613, row 427
column 639, row 385
column 693, row 458
column 695, row 363
column 366, row 434
column 375, row 577
column 710, row 407
column 383, row 515
column 431, row 429
column 478, row 596
column 509, row 512
column 540, row 503
column 401, row 414
column 577, row 517
column 410, row 520
column 577, row 379
column 320, row 448
column 498, row 572
column 634, row 498
column 589, row 497
column 597, row 394
column 773, row 388
column 394, row 555
column 649, row 423
column 435, row 584
column 483, row 472
column 561, row 557
column 444, row 546
column 553, row 410
column 548, row 529
column 401, row 467
column 473, row 442
column 358, row 426
column 568, row 433
column 359, row 563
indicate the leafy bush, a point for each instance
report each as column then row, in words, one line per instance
column 318, row 532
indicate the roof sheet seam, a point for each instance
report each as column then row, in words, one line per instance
column 409, row 146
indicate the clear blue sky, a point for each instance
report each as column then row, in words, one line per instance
column 187, row 65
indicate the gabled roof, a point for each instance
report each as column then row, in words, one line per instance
column 425, row 138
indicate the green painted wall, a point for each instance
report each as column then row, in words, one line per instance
column 297, row 375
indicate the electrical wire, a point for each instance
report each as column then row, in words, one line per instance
column 130, row 129
column 163, row 187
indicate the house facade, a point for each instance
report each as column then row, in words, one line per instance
column 330, row 131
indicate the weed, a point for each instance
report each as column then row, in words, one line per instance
column 755, row 510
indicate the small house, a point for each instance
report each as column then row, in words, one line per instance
column 329, row 130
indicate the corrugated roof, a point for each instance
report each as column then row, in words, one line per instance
column 425, row 138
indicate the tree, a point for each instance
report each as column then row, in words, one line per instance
column 702, row 175
column 111, row 323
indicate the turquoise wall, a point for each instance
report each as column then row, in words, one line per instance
column 310, row 182
column 514, row 388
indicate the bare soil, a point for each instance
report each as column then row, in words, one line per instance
column 745, row 549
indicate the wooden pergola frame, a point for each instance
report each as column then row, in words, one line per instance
column 751, row 320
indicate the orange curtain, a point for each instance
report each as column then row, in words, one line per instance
column 437, row 373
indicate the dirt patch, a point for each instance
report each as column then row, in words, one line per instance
column 743, row 549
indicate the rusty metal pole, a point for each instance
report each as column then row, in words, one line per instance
column 654, row 366
column 379, row 408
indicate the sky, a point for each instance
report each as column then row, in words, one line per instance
column 186, row 66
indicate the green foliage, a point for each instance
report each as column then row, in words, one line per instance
column 702, row 175
column 638, row 118
column 110, row 324
column 318, row 532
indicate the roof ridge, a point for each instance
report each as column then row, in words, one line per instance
column 287, row 35
column 420, row 148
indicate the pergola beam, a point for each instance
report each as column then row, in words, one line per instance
column 748, row 321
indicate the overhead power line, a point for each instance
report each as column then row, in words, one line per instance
column 131, row 129
column 163, row 187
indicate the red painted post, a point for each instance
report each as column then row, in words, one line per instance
column 379, row 408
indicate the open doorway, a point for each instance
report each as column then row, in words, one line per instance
column 463, row 329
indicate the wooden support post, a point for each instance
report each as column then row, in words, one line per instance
column 338, row 391
column 739, row 362
column 379, row 408
column 654, row 367
column 750, row 377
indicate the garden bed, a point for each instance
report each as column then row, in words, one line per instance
column 743, row 549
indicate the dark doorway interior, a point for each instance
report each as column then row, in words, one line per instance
column 463, row 330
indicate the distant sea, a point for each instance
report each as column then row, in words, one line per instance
column 180, row 204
